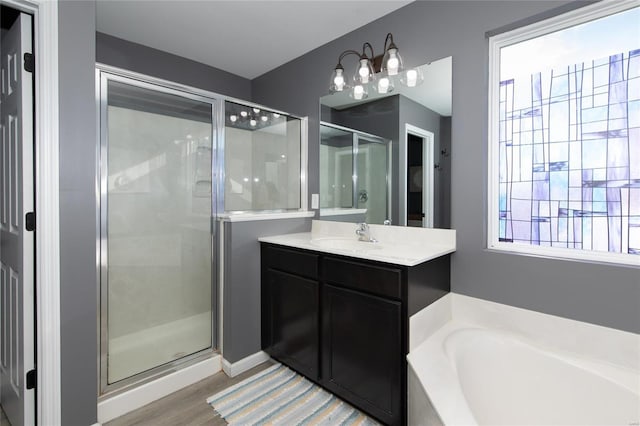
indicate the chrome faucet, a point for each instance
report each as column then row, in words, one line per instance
column 364, row 233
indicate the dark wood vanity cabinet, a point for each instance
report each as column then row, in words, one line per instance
column 291, row 309
column 343, row 322
column 362, row 347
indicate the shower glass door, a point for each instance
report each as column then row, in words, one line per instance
column 157, row 241
column 372, row 187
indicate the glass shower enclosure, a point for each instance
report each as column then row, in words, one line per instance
column 157, row 236
column 355, row 184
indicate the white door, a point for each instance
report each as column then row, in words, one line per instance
column 16, row 243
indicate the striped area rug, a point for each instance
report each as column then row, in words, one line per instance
column 279, row 396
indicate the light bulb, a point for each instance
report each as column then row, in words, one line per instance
column 233, row 118
column 244, row 113
column 363, row 71
column 246, row 179
column 276, row 115
column 283, row 156
column 256, row 110
column 393, row 63
column 338, row 81
column 383, row 85
column 253, row 122
column 358, row 92
column 412, row 78
column 256, row 179
column 264, row 118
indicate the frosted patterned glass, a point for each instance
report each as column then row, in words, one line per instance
column 575, row 180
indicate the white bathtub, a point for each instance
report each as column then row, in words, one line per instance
column 468, row 374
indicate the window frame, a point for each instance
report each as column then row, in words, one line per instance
column 497, row 42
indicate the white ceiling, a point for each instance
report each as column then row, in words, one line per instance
column 246, row 38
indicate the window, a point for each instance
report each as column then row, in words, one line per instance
column 263, row 160
column 564, row 136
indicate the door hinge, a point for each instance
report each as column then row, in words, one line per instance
column 31, row 379
column 29, row 62
column 30, row 221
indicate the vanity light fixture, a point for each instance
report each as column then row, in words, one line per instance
column 379, row 72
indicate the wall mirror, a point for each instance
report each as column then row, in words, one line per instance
column 387, row 157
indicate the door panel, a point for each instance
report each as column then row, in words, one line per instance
column 17, row 245
column 292, row 315
column 363, row 362
column 157, row 249
column 372, row 168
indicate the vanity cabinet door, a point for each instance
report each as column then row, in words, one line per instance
column 362, row 351
column 290, row 324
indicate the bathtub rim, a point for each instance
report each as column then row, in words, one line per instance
column 571, row 338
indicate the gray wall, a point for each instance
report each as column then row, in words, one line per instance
column 426, row 31
column 145, row 60
column 78, row 285
column 242, row 282
column 444, row 170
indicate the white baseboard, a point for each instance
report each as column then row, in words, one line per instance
column 244, row 364
column 142, row 395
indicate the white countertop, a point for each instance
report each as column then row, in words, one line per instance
column 398, row 245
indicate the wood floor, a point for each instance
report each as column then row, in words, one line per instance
column 187, row 406
column 3, row 418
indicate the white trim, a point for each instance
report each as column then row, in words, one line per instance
column 251, row 217
column 221, row 271
column 304, row 164
column 557, row 23
column 247, row 363
column 47, row 207
column 428, row 143
column 140, row 396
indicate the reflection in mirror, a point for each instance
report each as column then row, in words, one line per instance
column 410, row 185
column 355, row 182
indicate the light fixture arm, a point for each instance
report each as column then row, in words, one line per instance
column 389, row 39
column 345, row 54
column 364, row 49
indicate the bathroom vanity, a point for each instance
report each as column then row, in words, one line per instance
column 337, row 310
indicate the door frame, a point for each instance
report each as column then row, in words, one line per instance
column 45, row 26
column 428, row 174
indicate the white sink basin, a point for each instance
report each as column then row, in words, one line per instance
column 345, row 244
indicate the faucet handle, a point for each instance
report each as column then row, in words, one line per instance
column 386, row 222
column 363, row 226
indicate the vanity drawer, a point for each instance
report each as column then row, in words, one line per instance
column 379, row 280
column 289, row 260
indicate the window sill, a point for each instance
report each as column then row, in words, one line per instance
column 564, row 254
column 257, row 216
